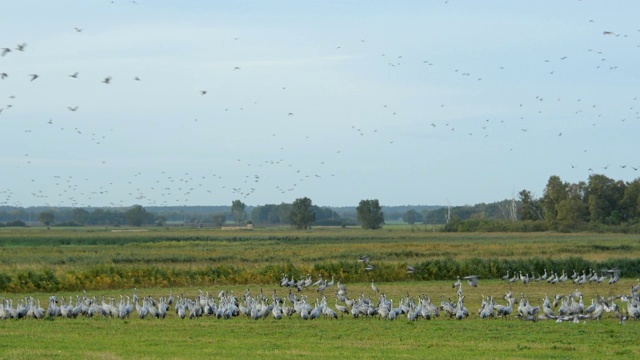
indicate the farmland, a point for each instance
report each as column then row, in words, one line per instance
column 41, row 260
column 64, row 262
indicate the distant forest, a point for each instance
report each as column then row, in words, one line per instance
column 600, row 204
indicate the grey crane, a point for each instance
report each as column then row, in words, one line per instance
column 374, row 287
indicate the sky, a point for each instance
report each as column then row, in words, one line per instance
column 409, row 102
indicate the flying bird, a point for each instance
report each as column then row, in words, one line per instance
column 72, row 108
column 33, row 76
column 20, row 47
column 3, row 76
column 107, row 80
column 472, row 280
column 369, row 267
column 5, row 51
column 203, row 92
column 74, row 75
column 77, row 29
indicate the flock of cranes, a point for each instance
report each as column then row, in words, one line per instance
column 309, row 301
column 610, row 276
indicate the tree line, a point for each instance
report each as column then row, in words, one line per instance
column 301, row 214
column 599, row 204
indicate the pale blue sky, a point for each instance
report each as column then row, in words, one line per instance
column 412, row 102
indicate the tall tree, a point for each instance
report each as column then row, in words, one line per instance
column 411, row 216
column 302, row 214
column 136, row 215
column 530, row 208
column 603, row 197
column 370, row 214
column 47, row 217
column 572, row 211
column 630, row 203
column 238, row 213
column 554, row 193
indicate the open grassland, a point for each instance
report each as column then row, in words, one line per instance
column 39, row 263
column 292, row 337
column 95, row 258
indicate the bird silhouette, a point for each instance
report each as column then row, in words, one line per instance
column 34, row 76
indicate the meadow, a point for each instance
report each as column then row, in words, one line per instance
column 93, row 258
column 66, row 262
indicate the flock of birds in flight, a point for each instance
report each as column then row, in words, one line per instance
column 165, row 187
column 226, row 305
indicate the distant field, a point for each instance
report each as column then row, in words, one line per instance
column 98, row 258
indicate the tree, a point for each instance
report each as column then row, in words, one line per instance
column 630, row 203
column 219, row 219
column 302, row 214
column 572, row 211
column 424, row 213
column 161, row 220
column 554, row 193
column 80, row 216
column 47, row 217
column 136, row 216
column 238, row 213
column 603, row 198
column 410, row 217
column 370, row 214
column 530, row 208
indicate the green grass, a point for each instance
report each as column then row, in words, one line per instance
column 94, row 258
column 39, row 263
column 101, row 338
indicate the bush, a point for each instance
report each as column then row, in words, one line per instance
column 67, row 224
column 15, row 223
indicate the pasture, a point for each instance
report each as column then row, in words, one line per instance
column 38, row 263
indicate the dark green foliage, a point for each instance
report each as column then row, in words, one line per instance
column 219, row 219
column 15, row 223
column 137, row 216
column 530, row 208
column 302, row 214
column 370, row 214
column 238, row 212
column 47, row 217
column 80, row 216
column 411, row 217
column 67, row 224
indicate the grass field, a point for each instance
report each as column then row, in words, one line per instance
column 110, row 338
column 113, row 263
